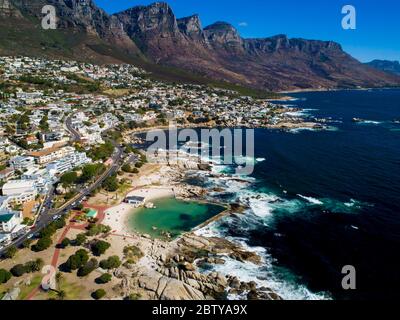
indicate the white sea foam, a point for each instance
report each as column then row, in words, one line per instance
column 263, row 275
column 311, row 200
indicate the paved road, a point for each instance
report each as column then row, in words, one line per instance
column 47, row 215
column 74, row 134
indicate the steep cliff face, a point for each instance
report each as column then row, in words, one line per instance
column 191, row 27
column 7, row 9
column 82, row 17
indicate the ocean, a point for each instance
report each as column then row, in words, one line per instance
column 321, row 200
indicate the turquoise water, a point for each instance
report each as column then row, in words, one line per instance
column 172, row 216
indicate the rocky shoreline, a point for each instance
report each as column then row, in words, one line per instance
column 171, row 270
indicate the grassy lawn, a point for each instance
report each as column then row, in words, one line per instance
column 73, row 291
column 26, row 290
column 2, row 291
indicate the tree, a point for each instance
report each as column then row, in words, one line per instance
column 77, row 260
column 104, row 278
column 112, row 262
column 18, row 270
column 111, row 184
column 80, row 239
column 88, row 268
column 34, row 266
column 27, row 243
column 65, row 243
column 10, row 252
column 96, row 229
column 4, row 276
column 99, row 294
column 61, row 295
column 42, row 244
column 69, row 178
column 100, row 247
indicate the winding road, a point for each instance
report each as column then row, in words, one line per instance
column 47, row 215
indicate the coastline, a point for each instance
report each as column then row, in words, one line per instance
column 168, row 181
column 328, row 90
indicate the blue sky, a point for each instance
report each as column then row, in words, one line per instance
column 378, row 21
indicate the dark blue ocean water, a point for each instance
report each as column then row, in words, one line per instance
column 324, row 199
column 353, row 177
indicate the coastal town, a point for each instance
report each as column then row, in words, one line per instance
column 70, row 171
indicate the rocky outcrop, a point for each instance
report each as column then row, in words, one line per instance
column 7, row 9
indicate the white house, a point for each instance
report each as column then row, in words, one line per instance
column 135, row 201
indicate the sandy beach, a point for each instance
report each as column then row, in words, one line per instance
column 116, row 217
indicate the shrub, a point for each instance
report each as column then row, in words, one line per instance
column 134, row 296
column 105, row 278
column 89, row 267
column 77, row 260
column 42, row 244
column 34, row 266
column 27, row 243
column 98, row 294
column 133, row 253
column 96, row 229
column 10, row 252
column 18, row 270
column 4, row 276
column 100, row 247
column 112, row 262
column 65, row 242
column 80, row 239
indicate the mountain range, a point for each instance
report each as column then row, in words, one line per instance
column 386, row 65
column 180, row 49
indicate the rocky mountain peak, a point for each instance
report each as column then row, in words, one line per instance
column 190, row 26
column 223, row 33
column 156, row 18
column 7, row 9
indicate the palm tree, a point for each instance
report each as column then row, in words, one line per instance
column 59, row 277
column 61, row 295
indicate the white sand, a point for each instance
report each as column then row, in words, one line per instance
column 116, row 217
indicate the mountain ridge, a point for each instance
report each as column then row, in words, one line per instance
column 152, row 36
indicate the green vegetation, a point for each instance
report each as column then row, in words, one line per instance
column 91, row 171
column 112, row 262
column 101, row 152
column 96, row 229
column 27, row 243
column 100, row 247
column 111, row 184
column 69, row 178
column 44, row 125
column 80, row 239
column 128, row 169
column 88, row 267
column 4, row 276
column 29, row 267
column 10, row 252
column 42, row 244
column 104, row 278
column 133, row 254
column 65, row 243
column 77, row 260
column 134, row 296
column 99, row 294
